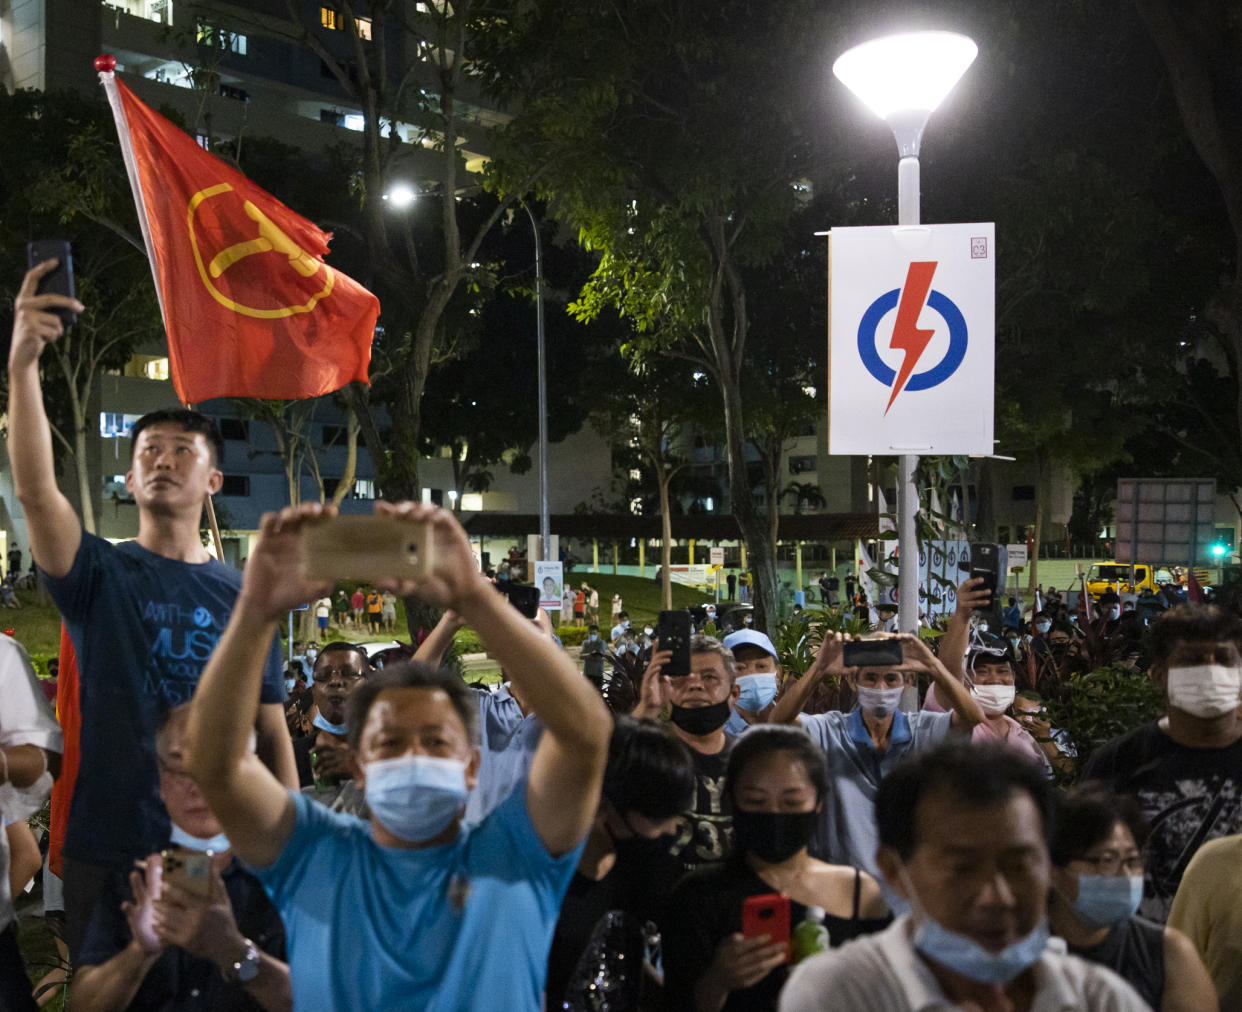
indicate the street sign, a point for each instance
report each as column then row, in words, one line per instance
column 1017, row 556
column 911, row 346
column 1165, row 520
column 716, row 556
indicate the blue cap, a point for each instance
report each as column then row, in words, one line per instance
column 751, row 637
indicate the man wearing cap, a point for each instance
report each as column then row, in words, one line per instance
column 758, row 674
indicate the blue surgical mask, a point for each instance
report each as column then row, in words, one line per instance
column 964, row 955
column 416, row 797
column 1108, row 899
column 323, row 724
column 1042, row 627
column 290, row 683
column 217, row 844
column 757, row 691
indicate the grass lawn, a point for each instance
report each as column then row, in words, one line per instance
column 641, row 598
column 37, row 627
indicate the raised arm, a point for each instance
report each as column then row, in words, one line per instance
column 435, row 646
column 251, row 803
column 562, row 793
column 55, row 531
column 950, row 690
column 957, row 637
column 794, row 698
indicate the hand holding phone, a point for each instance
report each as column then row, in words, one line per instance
column 872, row 653
column 673, row 634
column 59, row 280
column 767, row 915
column 189, row 869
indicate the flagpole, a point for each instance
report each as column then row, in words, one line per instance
column 106, row 65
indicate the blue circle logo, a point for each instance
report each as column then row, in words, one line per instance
column 929, row 378
column 202, row 617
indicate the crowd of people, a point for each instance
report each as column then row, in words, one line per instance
column 335, row 835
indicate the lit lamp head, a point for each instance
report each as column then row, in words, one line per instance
column 903, row 78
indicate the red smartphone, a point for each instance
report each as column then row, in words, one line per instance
column 767, row 915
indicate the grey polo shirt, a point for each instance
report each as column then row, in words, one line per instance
column 507, row 745
column 884, row 973
column 847, row 834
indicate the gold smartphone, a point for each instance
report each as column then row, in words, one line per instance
column 366, row 548
column 190, row 869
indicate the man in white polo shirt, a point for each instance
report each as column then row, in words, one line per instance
column 964, row 840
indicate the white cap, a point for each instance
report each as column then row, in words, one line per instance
column 751, row 637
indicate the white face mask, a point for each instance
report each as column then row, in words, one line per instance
column 879, row 702
column 994, row 699
column 1205, row 690
column 1112, row 612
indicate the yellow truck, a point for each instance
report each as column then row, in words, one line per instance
column 1116, row 576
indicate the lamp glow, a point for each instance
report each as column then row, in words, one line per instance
column 400, row 195
column 906, row 73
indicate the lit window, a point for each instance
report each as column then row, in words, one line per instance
column 329, row 18
column 354, row 122
column 364, row 28
column 364, row 488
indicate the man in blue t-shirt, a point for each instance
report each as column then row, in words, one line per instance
column 144, row 615
column 408, row 910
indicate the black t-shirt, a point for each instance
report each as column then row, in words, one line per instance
column 1134, row 950
column 1188, row 795
column 642, row 892
column 706, row 837
column 707, row 907
column 179, row 982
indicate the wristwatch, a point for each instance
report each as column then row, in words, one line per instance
column 245, row 969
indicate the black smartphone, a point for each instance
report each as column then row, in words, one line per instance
column 59, row 281
column 872, row 654
column 525, row 599
column 987, row 561
column 673, row 633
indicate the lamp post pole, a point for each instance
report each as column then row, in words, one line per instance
column 545, row 524
column 902, row 78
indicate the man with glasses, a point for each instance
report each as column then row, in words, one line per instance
column 154, row 941
column 323, row 755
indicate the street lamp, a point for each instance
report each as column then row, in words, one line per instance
column 902, row 79
column 545, row 525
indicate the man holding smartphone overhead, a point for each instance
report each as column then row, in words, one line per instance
column 143, row 615
column 435, row 892
column 862, row 746
column 701, row 702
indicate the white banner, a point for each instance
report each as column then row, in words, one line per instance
column 912, row 335
column 692, row 576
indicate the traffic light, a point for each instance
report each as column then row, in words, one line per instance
column 1219, row 549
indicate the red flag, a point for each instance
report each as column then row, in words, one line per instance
column 69, row 714
column 1194, row 592
column 250, row 308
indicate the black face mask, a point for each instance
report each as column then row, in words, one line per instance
column 773, row 836
column 701, row 720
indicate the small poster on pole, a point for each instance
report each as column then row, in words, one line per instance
column 550, row 581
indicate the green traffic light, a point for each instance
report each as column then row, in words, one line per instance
column 1219, row 549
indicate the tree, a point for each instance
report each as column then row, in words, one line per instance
column 686, row 122
column 1199, row 46
column 646, row 414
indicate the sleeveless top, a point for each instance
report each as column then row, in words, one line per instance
column 1134, row 950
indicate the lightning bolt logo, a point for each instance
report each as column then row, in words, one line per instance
column 907, row 335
